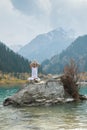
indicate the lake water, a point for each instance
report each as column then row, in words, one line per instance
column 69, row 116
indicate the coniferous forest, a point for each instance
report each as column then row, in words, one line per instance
column 12, row 62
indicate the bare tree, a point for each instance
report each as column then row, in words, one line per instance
column 70, row 79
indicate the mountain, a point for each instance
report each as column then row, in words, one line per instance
column 77, row 51
column 15, row 47
column 46, row 45
column 12, row 62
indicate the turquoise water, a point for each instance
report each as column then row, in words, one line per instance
column 69, row 116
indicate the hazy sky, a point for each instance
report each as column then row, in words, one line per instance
column 22, row 20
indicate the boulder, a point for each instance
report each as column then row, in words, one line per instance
column 35, row 94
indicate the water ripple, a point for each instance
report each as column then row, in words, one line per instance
column 70, row 116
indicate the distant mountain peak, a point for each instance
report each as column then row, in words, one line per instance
column 46, row 45
column 15, row 47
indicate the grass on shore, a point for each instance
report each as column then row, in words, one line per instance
column 10, row 79
column 11, row 82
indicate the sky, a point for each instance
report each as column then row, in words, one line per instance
column 23, row 20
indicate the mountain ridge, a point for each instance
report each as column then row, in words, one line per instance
column 46, row 45
column 12, row 62
column 77, row 51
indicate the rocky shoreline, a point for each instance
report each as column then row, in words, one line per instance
column 35, row 94
column 49, row 91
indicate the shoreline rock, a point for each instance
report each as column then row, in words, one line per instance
column 34, row 94
column 45, row 93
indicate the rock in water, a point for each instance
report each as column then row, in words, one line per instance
column 35, row 94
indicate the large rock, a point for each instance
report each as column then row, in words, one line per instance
column 43, row 93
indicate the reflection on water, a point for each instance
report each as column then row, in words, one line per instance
column 63, row 116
